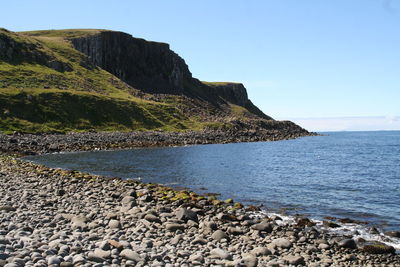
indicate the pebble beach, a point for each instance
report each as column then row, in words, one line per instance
column 54, row 217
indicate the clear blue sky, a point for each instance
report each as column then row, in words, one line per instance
column 298, row 59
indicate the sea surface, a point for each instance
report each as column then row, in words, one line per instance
column 341, row 174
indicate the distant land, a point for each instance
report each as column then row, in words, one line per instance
column 373, row 123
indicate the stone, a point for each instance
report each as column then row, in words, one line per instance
column 53, row 260
column 250, row 261
column 211, row 225
column 347, row 243
column 115, row 244
column 263, row 226
column 174, row 227
column 78, row 259
column 79, row 222
column 186, row 214
column 378, row 248
column 221, row 254
column 197, row 257
column 199, row 240
column 393, row 233
column 323, row 246
column 235, row 231
column 114, row 224
column 274, row 263
column 152, row 218
column 129, row 254
column 330, row 224
column 350, row 257
column 102, row 253
column 294, row 260
column 4, row 256
column 305, row 222
column 261, row 251
column 7, row 208
column 219, row 235
column 281, row 243
column 93, row 257
column 129, row 201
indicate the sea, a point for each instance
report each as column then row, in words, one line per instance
column 352, row 175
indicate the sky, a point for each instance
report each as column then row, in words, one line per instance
column 310, row 61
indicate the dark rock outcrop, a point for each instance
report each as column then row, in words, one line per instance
column 154, row 68
column 148, row 66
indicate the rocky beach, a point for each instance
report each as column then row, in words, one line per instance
column 55, row 217
column 31, row 144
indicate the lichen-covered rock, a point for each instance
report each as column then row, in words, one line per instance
column 378, row 248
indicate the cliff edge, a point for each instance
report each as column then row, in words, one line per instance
column 101, row 80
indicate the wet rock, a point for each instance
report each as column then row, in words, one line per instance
column 393, row 234
column 263, row 226
column 330, row 224
column 347, row 243
column 4, row 256
column 378, row 248
column 305, row 222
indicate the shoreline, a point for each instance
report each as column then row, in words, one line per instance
column 32, row 144
column 128, row 223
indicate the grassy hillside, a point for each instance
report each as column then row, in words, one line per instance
column 48, row 86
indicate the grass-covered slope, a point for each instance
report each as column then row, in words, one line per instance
column 46, row 85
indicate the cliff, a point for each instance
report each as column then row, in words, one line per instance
column 148, row 66
column 153, row 68
column 101, row 80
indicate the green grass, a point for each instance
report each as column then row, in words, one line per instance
column 68, row 33
column 35, row 97
column 219, row 83
column 55, row 110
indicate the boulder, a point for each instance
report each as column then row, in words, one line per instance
column 347, row 243
column 186, row 214
column 219, row 235
column 129, row 254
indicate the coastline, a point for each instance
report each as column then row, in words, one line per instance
column 128, row 223
column 32, row 144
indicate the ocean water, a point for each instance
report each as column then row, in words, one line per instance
column 341, row 174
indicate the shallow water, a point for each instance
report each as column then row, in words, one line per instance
column 342, row 174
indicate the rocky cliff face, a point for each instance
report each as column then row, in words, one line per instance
column 232, row 92
column 148, row 66
column 236, row 93
column 153, row 68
